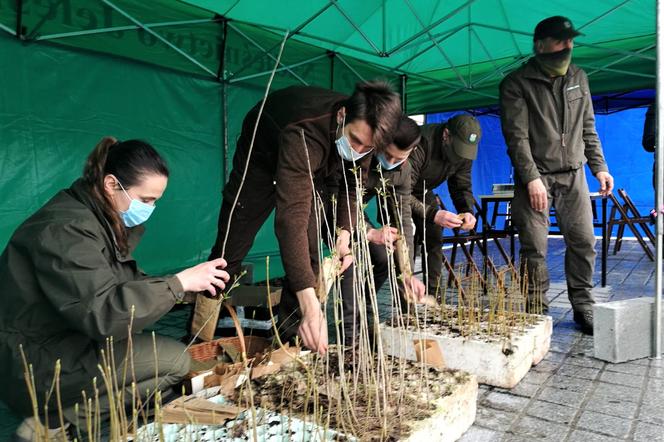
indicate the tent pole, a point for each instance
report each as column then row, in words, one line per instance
column 285, row 68
column 604, row 14
column 52, row 7
column 486, row 52
column 265, row 52
column 123, row 28
column 438, row 39
column 509, row 27
column 19, row 19
column 350, row 68
column 660, row 181
column 428, row 28
column 158, row 37
column 358, row 29
column 289, row 33
column 404, row 82
column 438, row 46
column 601, row 68
column 221, row 76
column 6, row 28
column 331, row 54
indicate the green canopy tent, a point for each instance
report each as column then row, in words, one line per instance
column 182, row 74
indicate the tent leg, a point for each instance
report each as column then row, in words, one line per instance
column 404, row 81
column 19, row 19
column 660, row 181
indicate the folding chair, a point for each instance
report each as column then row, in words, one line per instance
column 495, row 235
column 466, row 242
column 626, row 214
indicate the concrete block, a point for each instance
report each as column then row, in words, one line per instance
column 623, row 330
column 497, row 362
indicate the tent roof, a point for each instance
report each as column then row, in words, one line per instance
column 453, row 52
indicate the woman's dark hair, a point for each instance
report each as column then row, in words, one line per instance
column 407, row 133
column 129, row 161
column 377, row 104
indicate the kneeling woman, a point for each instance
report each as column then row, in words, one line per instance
column 68, row 282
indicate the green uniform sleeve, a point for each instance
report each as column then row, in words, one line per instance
column 417, row 162
column 79, row 281
column 593, row 147
column 461, row 188
column 514, row 122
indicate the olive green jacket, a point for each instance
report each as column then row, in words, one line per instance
column 549, row 124
column 65, row 288
column 431, row 168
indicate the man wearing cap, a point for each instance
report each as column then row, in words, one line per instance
column 446, row 153
column 549, row 127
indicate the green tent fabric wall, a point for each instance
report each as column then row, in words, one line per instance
column 61, row 102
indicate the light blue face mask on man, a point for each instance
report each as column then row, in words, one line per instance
column 386, row 165
column 344, row 147
column 138, row 211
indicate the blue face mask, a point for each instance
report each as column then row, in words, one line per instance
column 344, row 147
column 386, row 165
column 138, row 211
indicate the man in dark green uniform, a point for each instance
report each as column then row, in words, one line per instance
column 446, row 153
column 549, row 127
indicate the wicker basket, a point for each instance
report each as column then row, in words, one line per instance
column 206, row 351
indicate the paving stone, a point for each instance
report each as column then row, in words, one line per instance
column 555, row 357
column 655, row 384
column 656, row 372
column 546, row 367
column 551, row 412
column 646, row 432
column 562, row 397
column 516, row 438
column 494, row 419
column 539, row 429
column 563, row 347
column 629, row 368
column 524, row 389
column 630, row 380
column 643, row 361
column 585, row 361
column 477, row 434
column 614, row 406
column 504, row 401
column 605, row 424
column 536, row 377
column 579, row 372
column 569, row 383
column 587, row 436
column 613, row 391
column 652, row 413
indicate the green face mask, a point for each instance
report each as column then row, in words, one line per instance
column 555, row 63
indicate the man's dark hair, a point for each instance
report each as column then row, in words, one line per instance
column 376, row 103
column 407, row 133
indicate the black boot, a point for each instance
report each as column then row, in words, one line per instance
column 585, row 321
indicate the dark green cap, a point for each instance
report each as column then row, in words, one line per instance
column 466, row 133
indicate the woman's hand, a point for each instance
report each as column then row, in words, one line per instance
column 205, row 277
